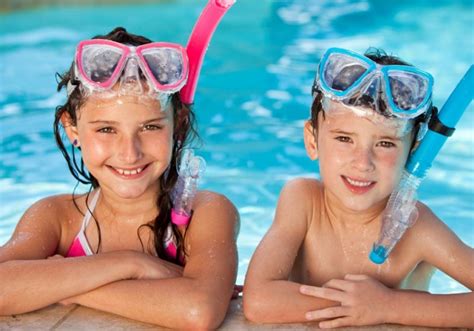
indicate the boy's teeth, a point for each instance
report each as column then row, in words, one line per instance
column 129, row 172
column 358, row 183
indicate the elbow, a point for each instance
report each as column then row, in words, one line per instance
column 206, row 314
column 254, row 306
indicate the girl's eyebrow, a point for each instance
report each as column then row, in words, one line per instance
column 157, row 119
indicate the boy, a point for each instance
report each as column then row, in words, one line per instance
column 313, row 262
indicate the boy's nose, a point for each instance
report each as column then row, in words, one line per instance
column 363, row 159
column 130, row 149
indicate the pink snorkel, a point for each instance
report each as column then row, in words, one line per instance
column 192, row 167
column 199, row 41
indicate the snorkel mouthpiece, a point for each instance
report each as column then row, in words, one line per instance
column 401, row 211
column 199, row 42
column 190, row 170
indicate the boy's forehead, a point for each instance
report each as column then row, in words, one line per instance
column 338, row 116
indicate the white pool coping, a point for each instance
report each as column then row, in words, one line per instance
column 81, row 318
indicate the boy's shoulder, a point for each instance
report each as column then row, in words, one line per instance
column 428, row 228
column 302, row 187
column 299, row 199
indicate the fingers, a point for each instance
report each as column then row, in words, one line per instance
column 337, row 323
column 356, row 277
column 331, row 312
column 339, row 284
column 322, row 292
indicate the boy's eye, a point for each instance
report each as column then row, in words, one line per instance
column 343, row 139
column 106, row 130
column 152, row 127
column 387, row 144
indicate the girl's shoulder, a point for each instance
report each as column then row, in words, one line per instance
column 213, row 212
column 212, row 200
column 55, row 209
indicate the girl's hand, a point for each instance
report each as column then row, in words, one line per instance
column 364, row 301
column 55, row 257
column 152, row 267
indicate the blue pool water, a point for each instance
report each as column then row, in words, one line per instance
column 252, row 99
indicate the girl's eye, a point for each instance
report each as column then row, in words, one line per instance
column 343, row 139
column 106, row 130
column 387, row 144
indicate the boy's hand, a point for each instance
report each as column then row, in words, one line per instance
column 364, row 301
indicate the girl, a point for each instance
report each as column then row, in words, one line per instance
column 125, row 118
column 365, row 116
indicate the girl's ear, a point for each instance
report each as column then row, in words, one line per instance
column 310, row 140
column 70, row 129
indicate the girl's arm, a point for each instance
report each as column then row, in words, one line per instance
column 200, row 298
column 269, row 297
column 29, row 281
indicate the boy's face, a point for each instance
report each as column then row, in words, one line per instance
column 361, row 160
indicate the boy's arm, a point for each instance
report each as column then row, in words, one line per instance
column 269, row 297
column 444, row 250
column 366, row 301
column 200, row 298
column 29, row 281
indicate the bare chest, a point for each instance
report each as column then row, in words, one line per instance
column 329, row 254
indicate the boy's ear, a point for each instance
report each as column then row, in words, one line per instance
column 70, row 129
column 310, row 140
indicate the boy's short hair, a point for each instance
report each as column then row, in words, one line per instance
column 379, row 56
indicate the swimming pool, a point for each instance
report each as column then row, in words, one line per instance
column 252, row 99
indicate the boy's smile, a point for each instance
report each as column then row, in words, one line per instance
column 360, row 160
column 358, row 186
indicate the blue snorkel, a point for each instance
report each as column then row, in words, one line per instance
column 401, row 211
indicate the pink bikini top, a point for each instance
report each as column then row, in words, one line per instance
column 80, row 246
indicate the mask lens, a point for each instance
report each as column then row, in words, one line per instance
column 165, row 64
column 342, row 71
column 99, row 62
column 408, row 89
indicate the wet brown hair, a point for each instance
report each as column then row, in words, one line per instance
column 184, row 131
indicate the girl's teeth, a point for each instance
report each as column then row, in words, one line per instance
column 129, row 172
column 358, row 183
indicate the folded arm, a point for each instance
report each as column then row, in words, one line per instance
column 198, row 299
column 29, row 281
column 269, row 295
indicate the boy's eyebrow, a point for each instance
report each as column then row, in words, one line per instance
column 391, row 138
column 341, row 132
column 385, row 137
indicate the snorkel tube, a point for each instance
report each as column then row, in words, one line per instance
column 199, row 41
column 190, row 170
column 192, row 167
column 401, row 211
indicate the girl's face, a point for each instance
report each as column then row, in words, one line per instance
column 360, row 160
column 126, row 144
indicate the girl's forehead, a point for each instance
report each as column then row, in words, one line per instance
column 123, row 107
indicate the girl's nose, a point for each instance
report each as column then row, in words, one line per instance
column 363, row 159
column 130, row 149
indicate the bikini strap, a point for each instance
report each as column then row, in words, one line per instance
column 91, row 208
